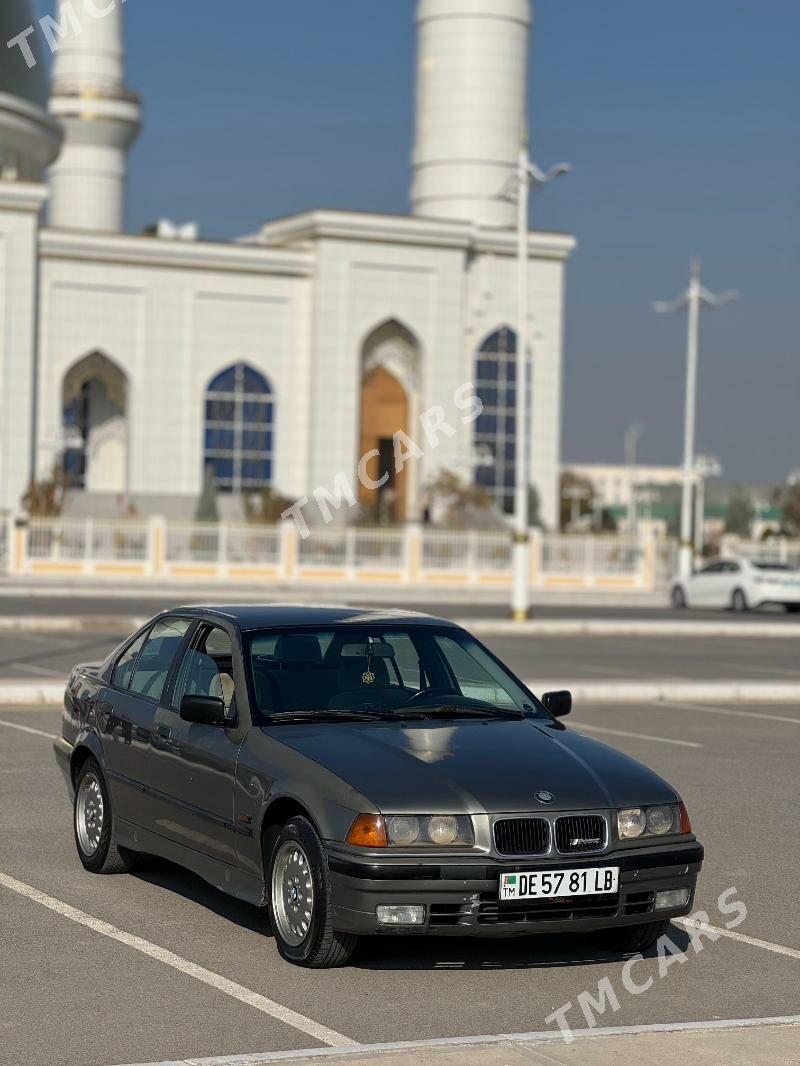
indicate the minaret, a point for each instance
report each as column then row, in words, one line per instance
column 471, row 107
column 101, row 119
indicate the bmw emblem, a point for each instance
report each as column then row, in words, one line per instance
column 544, row 796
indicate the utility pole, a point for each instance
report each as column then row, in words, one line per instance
column 519, row 185
column 633, row 434
column 694, row 298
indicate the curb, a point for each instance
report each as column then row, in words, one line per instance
column 675, row 691
column 483, row 627
column 26, row 693
column 613, row 627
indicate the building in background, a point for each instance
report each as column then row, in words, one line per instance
column 627, row 491
column 277, row 360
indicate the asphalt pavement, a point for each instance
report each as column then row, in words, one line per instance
column 563, row 660
column 181, row 971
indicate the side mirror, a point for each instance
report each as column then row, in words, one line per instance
column 558, row 704
column 203, row 710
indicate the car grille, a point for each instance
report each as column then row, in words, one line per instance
column 581, row 833
column 522, row 836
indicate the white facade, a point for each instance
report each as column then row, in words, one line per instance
column 121, row 336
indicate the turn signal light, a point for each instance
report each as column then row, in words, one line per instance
column 686, row 824
column 368, row 831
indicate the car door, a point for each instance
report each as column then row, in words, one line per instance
column 194, row 765
column 702, row 585
column 726, row 582
column 126, row 712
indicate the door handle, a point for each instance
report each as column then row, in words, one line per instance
column 164, row 731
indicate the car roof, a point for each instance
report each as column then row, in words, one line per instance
column 279, row 615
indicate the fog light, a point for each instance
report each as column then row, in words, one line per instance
column 400, row 915
column 673, row 897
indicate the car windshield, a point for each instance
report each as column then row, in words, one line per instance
column 379, row 672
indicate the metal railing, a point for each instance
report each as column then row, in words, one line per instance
column 410, row 554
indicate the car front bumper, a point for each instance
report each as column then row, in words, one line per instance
column 462, row 898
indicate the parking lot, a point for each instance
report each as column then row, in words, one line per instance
column 78, row 992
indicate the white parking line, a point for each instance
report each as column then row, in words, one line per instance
column 778, row 949
column 634, row 736
column 728, row 711
column 27, row 729
column 191, row 969
column 525, row 1040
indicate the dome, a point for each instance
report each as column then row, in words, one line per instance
column 16, row 78
column 29, row 138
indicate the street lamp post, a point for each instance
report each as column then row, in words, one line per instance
column 694, row 298
column 527, row 176
column 705, row 466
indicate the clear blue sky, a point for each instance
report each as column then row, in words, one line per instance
column 681, row 118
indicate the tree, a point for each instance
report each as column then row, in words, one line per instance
column 265, row 506
column 207, row 510
column 739, row 515
column 461, row 505
column 791, row 510
column 45, row 499
column 577, row 497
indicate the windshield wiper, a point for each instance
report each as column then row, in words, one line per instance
column 324, row 716
column 458, row 709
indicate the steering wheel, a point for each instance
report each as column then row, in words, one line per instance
column 428, row 693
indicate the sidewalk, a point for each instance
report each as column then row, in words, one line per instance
column 736, row 1043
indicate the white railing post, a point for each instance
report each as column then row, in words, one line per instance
column 350, row 553
column 88, row 546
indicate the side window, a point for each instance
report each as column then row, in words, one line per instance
column 406, row 659
column 207, row 669
column 124, row 668
column 157, row 655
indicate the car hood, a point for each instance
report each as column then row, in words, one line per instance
column 493, row 766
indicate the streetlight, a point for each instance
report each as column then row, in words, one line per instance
column 705, row 466
column 695, row 297
column 526, row 176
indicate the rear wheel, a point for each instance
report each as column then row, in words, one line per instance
column 300, row 907
column 739, row 602
column 679, row 598
column 630, row 938
column 93, row 822
column 793, row 608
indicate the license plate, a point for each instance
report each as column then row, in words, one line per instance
column 547, row 884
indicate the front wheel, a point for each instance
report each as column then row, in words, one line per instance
column 739, row 602
column 678, row 598
column 300, row 907
column 631, row 938
column 93, row 822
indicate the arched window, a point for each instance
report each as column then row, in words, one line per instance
column 495, row 428
column 240, row 416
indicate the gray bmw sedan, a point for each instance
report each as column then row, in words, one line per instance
column 366, row 772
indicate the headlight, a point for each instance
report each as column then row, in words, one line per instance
column 434, row 830
column 633, row 822
column 630, row 823
column 402, row 830
column 660, row 820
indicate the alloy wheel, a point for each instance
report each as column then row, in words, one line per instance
column 292, row 893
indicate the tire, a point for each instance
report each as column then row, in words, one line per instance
column 628, row 939
column 300, row 909
column 793, row 608
column 739, row 602
column 678, row 597
column 93, row 824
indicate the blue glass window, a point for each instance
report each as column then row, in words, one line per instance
column 240, row 414
column 495, row 429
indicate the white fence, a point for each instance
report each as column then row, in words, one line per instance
column 773, row 550
column 408, row 555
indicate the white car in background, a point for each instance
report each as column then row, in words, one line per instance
column 739, row 584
